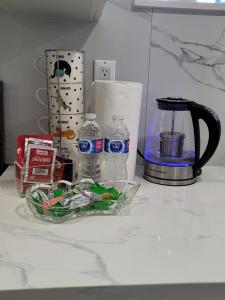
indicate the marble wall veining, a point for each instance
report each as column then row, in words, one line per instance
column 187, row 59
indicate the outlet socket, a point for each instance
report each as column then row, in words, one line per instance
column 104, row 73
column 104, row 69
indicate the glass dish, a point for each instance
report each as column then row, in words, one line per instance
column 61, row 214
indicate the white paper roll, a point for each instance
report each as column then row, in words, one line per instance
column 123, row 98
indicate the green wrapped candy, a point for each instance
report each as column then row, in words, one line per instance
column 58, row 210
column 37, row 205
column 100, row 190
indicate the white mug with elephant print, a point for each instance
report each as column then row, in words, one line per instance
column 64, row 99
column 62, row 66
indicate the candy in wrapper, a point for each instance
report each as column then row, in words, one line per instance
column 91, row 195
column 106, row 193
column 76, row 201
column 71, row 199
column 40, row 162
column 52, row 201
column 85, row 184
column 40, row 196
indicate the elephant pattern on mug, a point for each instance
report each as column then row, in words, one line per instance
column 61, row 102
column 61, row 67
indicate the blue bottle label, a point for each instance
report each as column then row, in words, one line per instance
column 91, row 146
column 116, row 146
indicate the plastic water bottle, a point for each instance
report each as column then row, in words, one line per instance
column 116, row 149
column 90, row 149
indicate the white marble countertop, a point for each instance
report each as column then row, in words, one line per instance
column 167, row 235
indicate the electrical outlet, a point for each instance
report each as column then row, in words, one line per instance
column 104, row 73
column 104, row 69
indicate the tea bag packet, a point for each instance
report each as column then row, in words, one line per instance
column 36, row 141
column 40, row 161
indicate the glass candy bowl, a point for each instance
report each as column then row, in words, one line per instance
column 59, row 214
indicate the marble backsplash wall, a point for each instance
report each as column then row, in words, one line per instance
column 120, row 34
column 187, row 59
column 186, row 54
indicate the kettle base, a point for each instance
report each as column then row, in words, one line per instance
column 170, row 182
column 169, row 175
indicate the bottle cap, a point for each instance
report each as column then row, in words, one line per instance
column 90, row 116
column 117, row 117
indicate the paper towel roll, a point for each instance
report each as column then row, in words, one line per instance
column 123, row 98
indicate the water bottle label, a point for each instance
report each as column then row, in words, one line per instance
column 91, row 146
column 116, row 146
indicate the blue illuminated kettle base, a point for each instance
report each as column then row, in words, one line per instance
column 166, row 175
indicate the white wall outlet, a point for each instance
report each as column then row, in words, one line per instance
column 104, row 69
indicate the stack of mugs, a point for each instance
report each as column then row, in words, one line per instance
column 65, row 85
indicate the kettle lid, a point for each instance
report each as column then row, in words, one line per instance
column 173, row 103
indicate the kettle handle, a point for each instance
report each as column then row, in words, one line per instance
column 214, row 127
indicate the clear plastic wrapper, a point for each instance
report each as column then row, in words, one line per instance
column 76, row 201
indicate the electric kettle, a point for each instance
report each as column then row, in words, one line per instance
column 172, row 146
